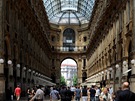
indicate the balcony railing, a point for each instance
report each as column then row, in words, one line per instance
column 69, row 49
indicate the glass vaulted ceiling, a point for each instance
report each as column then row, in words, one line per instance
column 69, row 11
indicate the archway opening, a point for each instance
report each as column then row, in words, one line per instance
column 69, row 72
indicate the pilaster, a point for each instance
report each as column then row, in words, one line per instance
column 79, row 71
column 133, row 25
column 2, row 79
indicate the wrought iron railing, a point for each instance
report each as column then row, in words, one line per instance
column 70, row 49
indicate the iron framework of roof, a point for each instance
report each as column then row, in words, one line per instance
column 69, row 11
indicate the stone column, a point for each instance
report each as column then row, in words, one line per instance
column 133, row 25
column 2, row 82
column 79, row 74
column 133, row 44
column 2, row 79
column 120, row 74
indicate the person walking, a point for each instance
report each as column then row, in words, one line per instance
column 88, row 92
column 69, row 94
column 54, row 95
column 84, row 93
column 125, row 94
column 72, row 88
column 63, row 94
column 105, row 96
column 98, row 91
column 29, row 93
column 17, row 92
column 92, row 93
column 77, row 94
column 39, row 95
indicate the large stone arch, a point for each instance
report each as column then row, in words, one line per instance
column 64, row 58
column 78, row 61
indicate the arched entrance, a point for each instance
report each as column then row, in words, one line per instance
column 69, row 72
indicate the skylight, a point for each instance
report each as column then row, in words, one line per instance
column 69, row 11
column 69, row 5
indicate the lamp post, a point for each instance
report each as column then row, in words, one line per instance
column 24, row 73
column 120, row 76
column 18, row 73
column 7, row 66
column 109, row 74
column 1, row 66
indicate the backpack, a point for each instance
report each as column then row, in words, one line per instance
column 84, row 92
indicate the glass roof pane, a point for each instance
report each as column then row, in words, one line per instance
column 69, row 5
column 69, row 11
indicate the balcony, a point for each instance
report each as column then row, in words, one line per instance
column 70, row 49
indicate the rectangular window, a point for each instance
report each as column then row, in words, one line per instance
column 7, row 12
column 84, row 63
column 84, row 48
column 53, row 67
column 85, row 39
column 128, row 11
column 120, row 22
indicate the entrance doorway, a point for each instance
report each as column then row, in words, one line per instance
column 69, row 72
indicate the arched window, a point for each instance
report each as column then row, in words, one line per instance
column 84, row 76
column 69, row 39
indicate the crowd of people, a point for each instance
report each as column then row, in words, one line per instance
column 85, row 93
column 78, row 93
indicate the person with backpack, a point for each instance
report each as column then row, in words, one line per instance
column 63, row 93
column 78, row 93
column 92, row 93
column 69, row 94
column 54, row 95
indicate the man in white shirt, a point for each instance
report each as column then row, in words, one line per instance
column 39, row 95
column 97, row 94
column 72, row 88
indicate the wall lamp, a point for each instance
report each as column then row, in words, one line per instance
column 117, row 66
column 24, row 68
column 125, row 64
column 133, row 62
column 33, row 72
column 29, row 70
column 9, row 62
column 110, row 69
column 18, row 66
column 1, row 61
